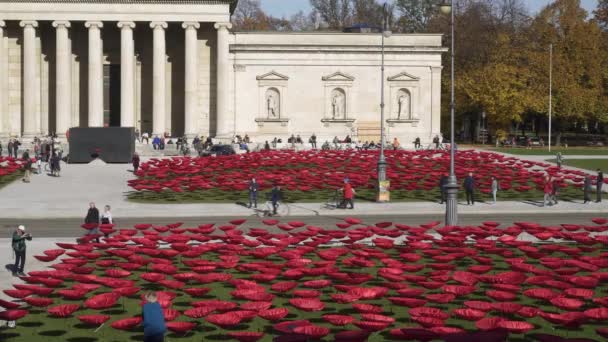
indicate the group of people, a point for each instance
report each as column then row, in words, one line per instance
column 551, row 187
column 275, row 196
column 93, row 217
column 12, row 148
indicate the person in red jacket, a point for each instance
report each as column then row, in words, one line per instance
column 548, row 189
column 348, row 193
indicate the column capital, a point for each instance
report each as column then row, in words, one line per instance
column 25, row 23
column 63, row 23
column 90, row 24
column 126, row 24
column 158, row 24
column 191, row 24
column 222, row 26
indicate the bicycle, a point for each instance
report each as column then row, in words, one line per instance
column 333, row 202
column 267, row 211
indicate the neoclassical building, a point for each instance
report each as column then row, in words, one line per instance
column 175, row 66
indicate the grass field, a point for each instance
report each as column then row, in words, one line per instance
column 587, row 164
column 366, row 195
column 38, row 326
column 6, row 180
column 537, row 151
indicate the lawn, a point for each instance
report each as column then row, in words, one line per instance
column 569, row 193
column 444, row 274
column 537, row 151
column 315, row 176
column 8, row 179
column 587, row 164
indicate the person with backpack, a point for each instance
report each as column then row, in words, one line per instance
column 19, row 247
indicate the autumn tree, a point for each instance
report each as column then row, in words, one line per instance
column 601, row 14
column 334, row 13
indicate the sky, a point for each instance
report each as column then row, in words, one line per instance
column 280, row 8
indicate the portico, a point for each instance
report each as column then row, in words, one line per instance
column 175, row 67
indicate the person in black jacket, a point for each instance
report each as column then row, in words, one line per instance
column 253, row 193
column 442, row 183
column 600, row 183
column 469, row 188
column 93, row 218
column 18, row 244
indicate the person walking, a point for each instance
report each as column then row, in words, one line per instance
column 135, row 162
column 587, row 190
column 559, row 159
column 443, row 181
column 276, row 195
column 55, row 165
column 27, row 167
column 548, row 190
column 253, row 192
column 494, row 187
column 106, row 216
column 348, row 194
column 469, row 188
column 93, row 218
column 153, row 319
column 19, row 247
column 598, row 186
column 554, row 189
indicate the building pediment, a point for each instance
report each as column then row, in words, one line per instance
column 404, row 76
column 272, row 76
column 338, row 76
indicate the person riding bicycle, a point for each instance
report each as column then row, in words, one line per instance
column 348, row 193
column 276, row 195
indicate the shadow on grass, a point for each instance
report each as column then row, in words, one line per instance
column 53, row 333
column 82, row 339
column 31, row 324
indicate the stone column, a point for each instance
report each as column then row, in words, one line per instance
column 3, row 92
column 95, row 74
column 63, row 78
column 158, row 78
column 191, row 78
column 223, row 129
column 127, row 74
column 29, row 78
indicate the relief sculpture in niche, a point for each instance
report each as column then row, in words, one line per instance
column 338, row 104
column 273, row 102
column 403, row 105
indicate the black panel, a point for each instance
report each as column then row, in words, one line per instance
column 112, row 144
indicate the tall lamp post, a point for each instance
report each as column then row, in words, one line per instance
column 383, row 195
column 451, row 212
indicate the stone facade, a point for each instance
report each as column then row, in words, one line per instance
column 175, row 67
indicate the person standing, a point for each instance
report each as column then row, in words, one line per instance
column 9, row 147
column 494, row 188
column 348, row 194
column 153, row 319
column 587, row 190
column 417, row 143
column 18, row 244
column 548, row 190
column 253, row 193
column 559, row 159
column 396, row 144
column 0, row 148
column 469, row 188
column 93, row 218
column 436, row 142
column 16, row 145
column 313, row 141
column 276, row 195
column 55, row 165
column 135, row 162
column 443, row 191
column 599, row 184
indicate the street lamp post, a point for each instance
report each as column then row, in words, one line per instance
column 386, row 33
column 550, row 90
column 451, row 212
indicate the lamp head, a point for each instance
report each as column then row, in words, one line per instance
column 387, row 33
column 446, row 7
